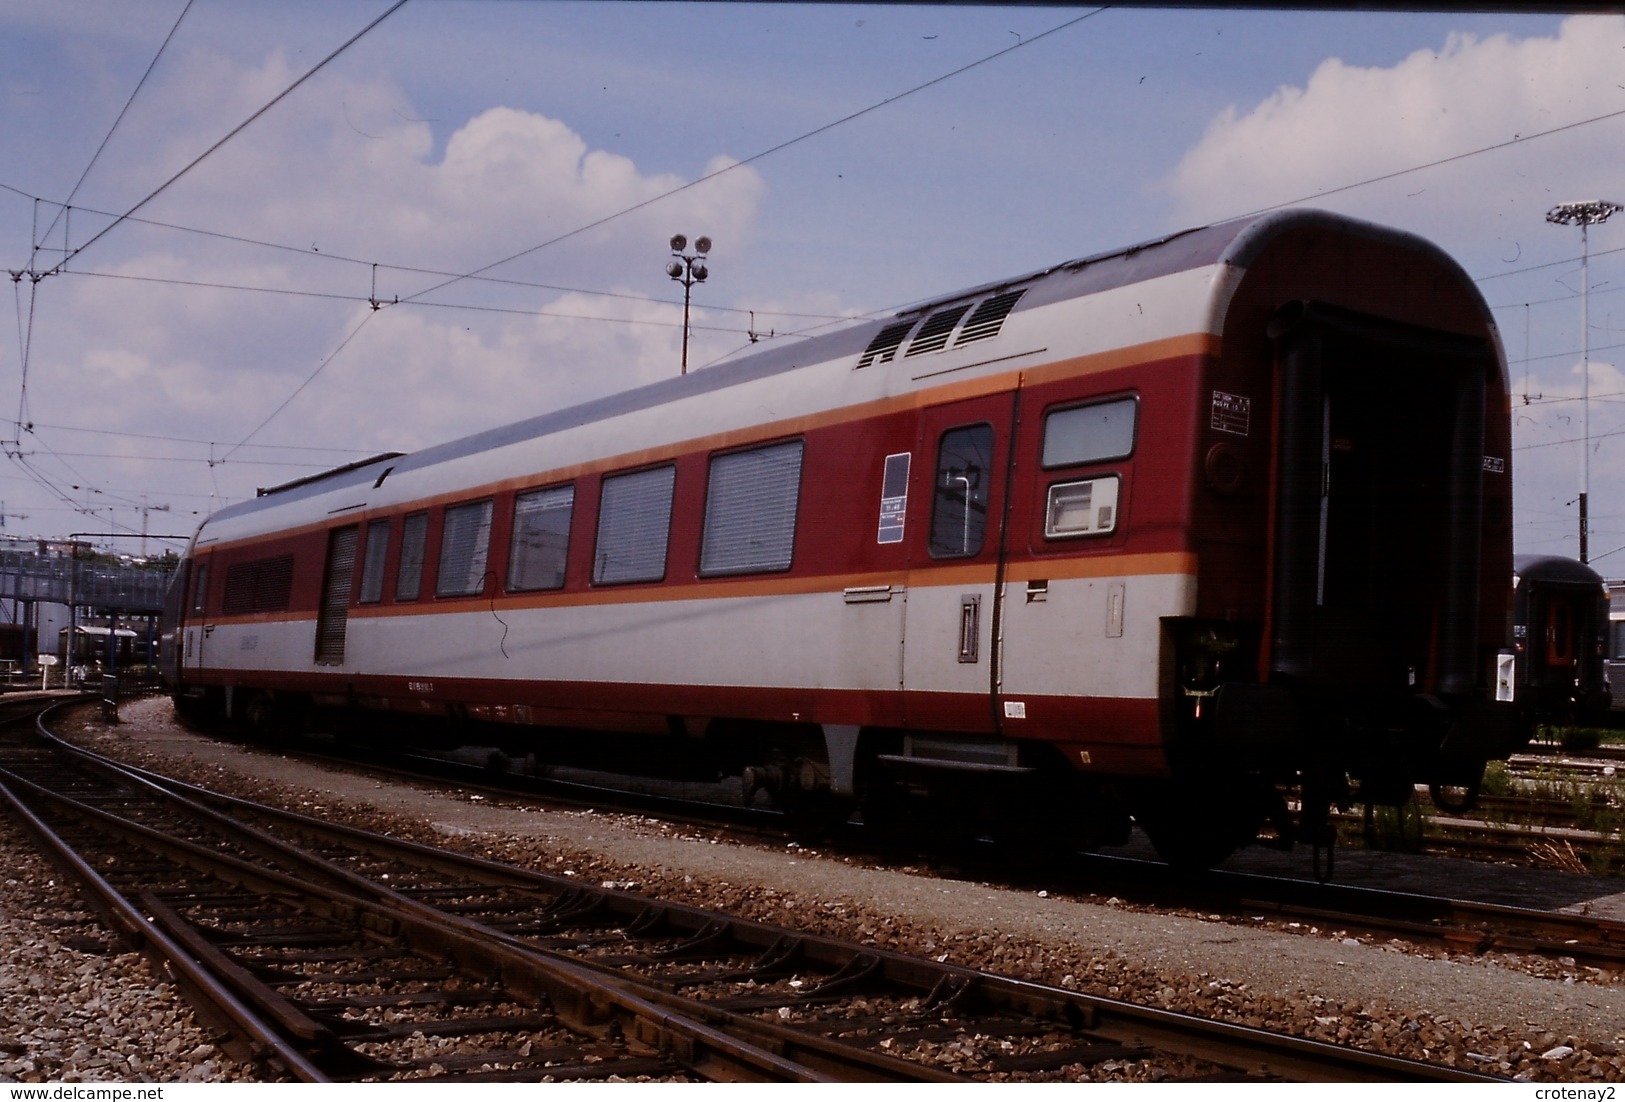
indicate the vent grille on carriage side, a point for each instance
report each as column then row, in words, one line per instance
column 333, row 617
column 933, row 335
column 988, row 317
column 885, row 344
column 264, row 585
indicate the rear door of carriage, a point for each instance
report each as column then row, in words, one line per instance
column 1379, row 506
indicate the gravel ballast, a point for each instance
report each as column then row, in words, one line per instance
column 1569, row 1026
column 76, row 1006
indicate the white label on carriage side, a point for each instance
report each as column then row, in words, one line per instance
column 1015, row 709
column 1495, row 464
column 1232, row 413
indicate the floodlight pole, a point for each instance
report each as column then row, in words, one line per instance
column 688, row 270
column 1586, row 213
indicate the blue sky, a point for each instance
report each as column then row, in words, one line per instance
column 864, row 157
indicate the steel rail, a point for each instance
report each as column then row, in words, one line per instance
column 1429, row 919
column 213, row 999
column 586, row 1003
column 1242, row 1049
column 1467, row 925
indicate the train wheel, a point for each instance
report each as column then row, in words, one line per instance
column 1184, row 842
column 812, row 816
column 920, row 815
column 1461, row 797
column 1194, row 830
column 882, row 807
column 270, row 716
column 260, row 717
column 200, row 708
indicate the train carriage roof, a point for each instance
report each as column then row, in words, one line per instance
column 1554, row 568
column 1232, row 245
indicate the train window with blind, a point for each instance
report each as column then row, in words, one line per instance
column 750, row 510
column 960, row 493
column 1090, row 434
column 409, row 574
column 634, row 524
column 465, row 548
column 372, row 562
column 541, row 538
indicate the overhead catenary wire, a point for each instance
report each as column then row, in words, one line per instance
column 238, row 129
column 359, row 299
column 286, row 402
column 779, row 148
column 69, row 254
column 677, row 191
column 111, row 130
column 407, row 269
column 479, row 274
column 171, row 439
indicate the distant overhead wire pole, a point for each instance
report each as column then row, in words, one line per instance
column 1586, row 213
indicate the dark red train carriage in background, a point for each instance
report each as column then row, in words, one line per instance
column 1560, row 632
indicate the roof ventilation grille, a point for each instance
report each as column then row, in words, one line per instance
column 986, row 320
column 885, row 343
column 933, row 335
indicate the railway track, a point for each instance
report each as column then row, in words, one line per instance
column 1510, row 830
column 1430, row 920
column 350, row 956
column 1436, row 920
column 1457, row 925
column 1607, row 752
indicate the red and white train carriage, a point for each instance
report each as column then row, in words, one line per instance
column 1162, row 532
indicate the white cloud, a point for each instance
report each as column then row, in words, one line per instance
column 353, row 172
column 419, row 378
column 1349, row 123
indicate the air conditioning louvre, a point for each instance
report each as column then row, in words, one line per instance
column 885, row 343
column 933, row 335
column 988, row 317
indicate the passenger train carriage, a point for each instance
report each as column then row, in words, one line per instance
column 1560, row 613
column 1213, row 532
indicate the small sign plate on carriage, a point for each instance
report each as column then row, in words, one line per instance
column 1232, row 413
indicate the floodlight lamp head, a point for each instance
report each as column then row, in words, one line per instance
column 1587, row 212
column 675, row 269
column 702, row 245
column 700, row 272
column 678, row 242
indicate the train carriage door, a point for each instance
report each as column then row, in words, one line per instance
column 195, row 609
column 1559, row 634
column 1379, row 504
column 961, row 479
column 334, row 615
